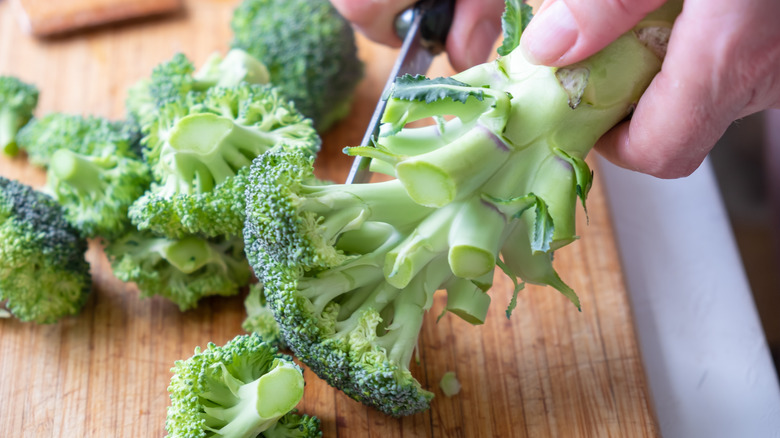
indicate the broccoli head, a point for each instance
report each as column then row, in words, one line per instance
column 310, row 52
column 173, row 79
column 200, row 149
column 242, row 389
column 44, row 275
column 96, row 191
column 86, row 135
column 17, row 103
column 182, row 270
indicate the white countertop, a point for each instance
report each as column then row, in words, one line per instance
column 706, row 357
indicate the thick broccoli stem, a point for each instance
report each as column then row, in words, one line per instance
column 467, row 301
column 257, row 405
column 475, row 238
column 79, row 171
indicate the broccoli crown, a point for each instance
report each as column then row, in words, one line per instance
column 17, row 103
column 309, row 50
column 260, row 318
column 197, row 148
column 44, row 275
column 181, row 270
column 87, row 135
column 237, row 390
column 175, row 78
column 96, row 191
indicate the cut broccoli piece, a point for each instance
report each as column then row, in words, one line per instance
column 86, row 135
column 349, row 270
column 449, row 384
column 239, row 390
column 17, row 103
column 309, row 50
column 182, row 270
column 199, row 148
column 260, row 318
column 96, row 191
column 43, row 275
column 173, row 79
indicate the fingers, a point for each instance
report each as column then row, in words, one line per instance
column 374, row 18
column 475, row 29
column 568, row 31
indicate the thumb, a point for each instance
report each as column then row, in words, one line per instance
column 567, row 31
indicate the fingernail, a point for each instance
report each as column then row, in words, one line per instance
column 550, row 34
column 482, row 39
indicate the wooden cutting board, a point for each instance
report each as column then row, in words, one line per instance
column 550, row 371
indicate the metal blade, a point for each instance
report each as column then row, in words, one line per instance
column 420, row 45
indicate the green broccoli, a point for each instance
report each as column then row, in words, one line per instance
column 96, row 191
column 349, row 270
column 182, row 270
column 173, row 79
column 242, row 389
column 44, row 275
column 17, row 103
column 86, row 135
column 309, row 50
column 200, row 149
column 260, row 319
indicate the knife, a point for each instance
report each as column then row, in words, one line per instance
column 423, row 28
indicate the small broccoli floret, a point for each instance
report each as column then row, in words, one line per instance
column 309, row 50
column 238, row 390
column 43, row 275
column 173, row 79
column 96, row 191
column 182, row 270
column 17, row 103
column 199, row 148
column 260, row 318
column 86, row 135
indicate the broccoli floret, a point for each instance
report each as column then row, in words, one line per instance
column 200, row 149
column 17, row 103
column 182, row 270
column 86, row 135
column 239, row 390
column 349, row 270
column 173, row 79
column 260, row 318
column 309, row 50
column 96, row 191
column 43, row 275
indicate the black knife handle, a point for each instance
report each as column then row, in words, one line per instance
column 435, row 23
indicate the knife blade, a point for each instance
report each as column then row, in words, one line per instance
column 423, row 28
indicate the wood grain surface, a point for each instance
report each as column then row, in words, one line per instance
column 550, row 371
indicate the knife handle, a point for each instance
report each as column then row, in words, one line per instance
column 434, row 25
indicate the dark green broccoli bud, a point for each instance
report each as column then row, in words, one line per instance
column 181, row 270
column 86, row 135
column 17, row 103
column 96, row 191
column 198, row 148
column 44, row 275
column 260, row 318
column 309, row 50
column 173, row 79
column 239, row 390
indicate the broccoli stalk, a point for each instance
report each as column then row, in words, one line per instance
column 200, row 149
column 237, row 390
column 17, row 103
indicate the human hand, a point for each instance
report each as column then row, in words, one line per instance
column 475, row 27
column 722, row 64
